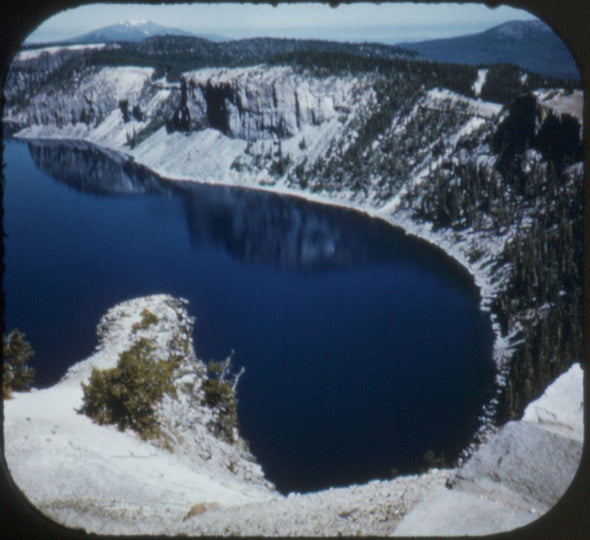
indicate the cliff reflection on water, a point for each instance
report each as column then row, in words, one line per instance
column 254, row 227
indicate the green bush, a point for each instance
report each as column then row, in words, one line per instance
column 147, row 319
column 220, row 394
column 16, row 374
column 126, row 395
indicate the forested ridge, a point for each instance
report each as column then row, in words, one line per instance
column 530, row 194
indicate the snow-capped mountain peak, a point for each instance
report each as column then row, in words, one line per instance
column 131, row 30
column 134, row 23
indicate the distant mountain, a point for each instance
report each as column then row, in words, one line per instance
column 131, row 31
column 529, row 44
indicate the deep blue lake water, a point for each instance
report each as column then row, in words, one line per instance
column 363, row 347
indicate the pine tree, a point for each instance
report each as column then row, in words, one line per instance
column 17, row 375
column 127, row 394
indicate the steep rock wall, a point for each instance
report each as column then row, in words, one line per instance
column 243, row 103
column 258, row 102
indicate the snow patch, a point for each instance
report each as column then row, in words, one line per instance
column 442, row 97
column 31, row 54
column 480, row 81
column 561, row 407
column 563, row 102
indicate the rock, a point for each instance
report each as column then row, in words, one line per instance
column 561, row 407
column 533, row 463
column 518, row 475
column 261, row 102
column 454, row 513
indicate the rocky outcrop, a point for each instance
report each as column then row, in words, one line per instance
column 84, row 99
column 514, row 478
column 259, row 102
column 99, row 478
column 530, row 123
column 246, row 103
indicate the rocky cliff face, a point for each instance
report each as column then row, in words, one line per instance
column 247, row 103
column 83, row 97
column 256, row 102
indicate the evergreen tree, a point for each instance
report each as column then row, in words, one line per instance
column 17, row 375
column 127, row 394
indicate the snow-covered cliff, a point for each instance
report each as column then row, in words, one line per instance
column 386, row 148
column 107, row 481
column 256, row 102
column 216, row 125
column 385, row 144
column 94, row 476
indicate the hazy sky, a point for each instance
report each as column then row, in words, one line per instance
column 371, row 22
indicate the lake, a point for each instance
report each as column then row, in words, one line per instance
column 363, row 347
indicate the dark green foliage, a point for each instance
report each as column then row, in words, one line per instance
column 559, row 140
column 173, row 55
column 506, row 82
column 182, row 118
column 16, row 374
column 517, row 132
column 279, row 167
column 466, row 195
column 220, row 394
column 546, row 278
column 541, row 304
column 379, row 157
column 127, row 394
column 147, row 319
column 413, row 70
column 124, row 106
column 138, row 113
column 527, row 126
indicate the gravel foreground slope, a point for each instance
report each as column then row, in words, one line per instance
column 106, row 481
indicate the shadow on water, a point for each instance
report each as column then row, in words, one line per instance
column 254, row 227
column 363, row 347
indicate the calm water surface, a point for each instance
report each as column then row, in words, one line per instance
column 363, row 348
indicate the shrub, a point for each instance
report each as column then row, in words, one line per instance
column 16, row 374
column 147, row 319
column 220, row 394
column 127, row 394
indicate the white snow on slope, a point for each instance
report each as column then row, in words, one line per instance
column 563, row 102
column 561, row 407
column 480, row 81
column 123, row 83
column 62, row 460
column 444, row 98
column 31, row 54
column 205, row 155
